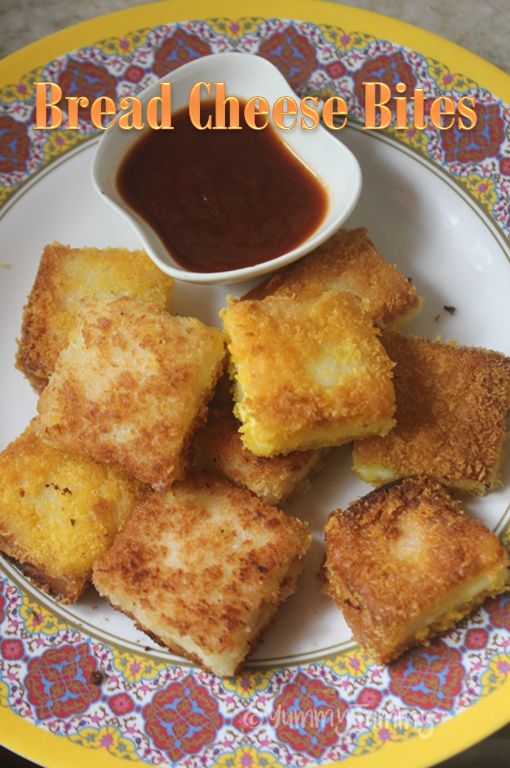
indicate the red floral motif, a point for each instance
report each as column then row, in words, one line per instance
column 292, row 53
column 476, row 639
column 134, row 74
column 12, row 649
column 309, row 715
column 182, row 718
column 246, row 721
column 84, row 78
column 59, row 682
column 499, row 611
column 387, row 68
column 504, row 166
column 178, row 49
column 429, row 677
column 14, row 145
column 336, row 69
column 369, row 698
column 484, row 140
column 121, row 704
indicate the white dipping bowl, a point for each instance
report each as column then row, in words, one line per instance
column 244, row 75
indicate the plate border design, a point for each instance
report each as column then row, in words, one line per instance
column 125, row 706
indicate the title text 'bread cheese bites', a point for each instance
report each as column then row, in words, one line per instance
column 308, row 374
column 203, row 569
column 65, row 277
column 131, row 388
column 59, row 512
column 404, row 563
column 218, row 447
column 452, row 407
column 349, row 263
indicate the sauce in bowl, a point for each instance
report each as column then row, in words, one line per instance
column 221, row 199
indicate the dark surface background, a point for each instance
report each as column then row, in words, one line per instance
column 483, row 27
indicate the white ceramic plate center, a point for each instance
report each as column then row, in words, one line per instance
column 417, row 218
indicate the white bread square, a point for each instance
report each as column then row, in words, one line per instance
column 65, row 277
column 203, row 568
column 131, row 387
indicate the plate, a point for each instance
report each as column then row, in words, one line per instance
column 437, row 206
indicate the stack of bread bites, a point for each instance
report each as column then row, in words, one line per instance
column 163, row 448
column 199, row 563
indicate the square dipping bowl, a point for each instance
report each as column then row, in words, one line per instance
column 245, row 75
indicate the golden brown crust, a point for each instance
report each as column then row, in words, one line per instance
column 218, row 447
column 174, row 647
column 309, row 373
column 66, row 276
column 348, row 262
column 65, row 590
column 404, row 563
column 203, row 567
column 58, row 513
column 452, row 407
column 131, row 387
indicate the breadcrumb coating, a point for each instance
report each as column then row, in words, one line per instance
column 348, row 262
column 308, row 374
column 218, row 447
column 58, row 513
column 131, row 388
column 203, row 569
column 405, row 563
column 452, row 407
column 65, row 277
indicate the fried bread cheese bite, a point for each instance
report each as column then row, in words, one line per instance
column 404, row 563
column 452, row 407
column 65, row 277
column 58, row 513
column 308, row 374
column 131, row 387
column 218, row 447
column 203, row 568
column 349, row 263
